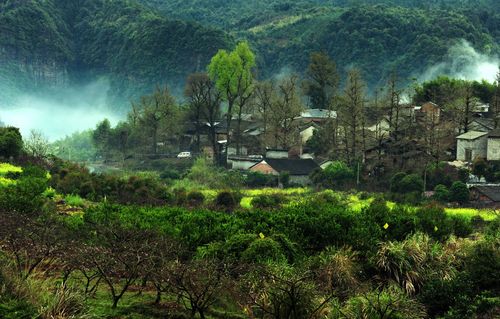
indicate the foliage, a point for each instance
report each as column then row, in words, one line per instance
column 335, row 175
column 441, row 193
column 11, row 142
column 459, row 192
column 265, row 201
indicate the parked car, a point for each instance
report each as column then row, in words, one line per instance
column 184, row 155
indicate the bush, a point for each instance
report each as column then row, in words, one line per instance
column 395, row 180
column 459, row 193
column 268, row 201
column 195, row 198
column 263, row 250
column 434, row 221
column 337, row 174
column 228, row 200
column 410, row 184
column 257, row 179
column 441, row 193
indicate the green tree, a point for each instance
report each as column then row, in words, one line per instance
column 459, row 193
column 322, row 80
column 100, row 138
column 11, row 142
column 232, row 74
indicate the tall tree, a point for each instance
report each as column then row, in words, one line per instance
column 322, row 80
column 158, row 112
column 205, row 104
column 264, row 94
column 495, row 103
column 232, row 74
column 353, row 116
column 100, row 138
column 284, row 109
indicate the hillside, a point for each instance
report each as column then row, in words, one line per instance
column 55, row 42
column 376, row 35
column 135, row 44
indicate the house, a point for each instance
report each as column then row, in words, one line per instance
column 481, row 124
column 316, row 115
column 243, row 162
column 307, row 131
column 429, row 112
column 471, row 145
column 486, row 196
column 493, row 147
column 298, row 169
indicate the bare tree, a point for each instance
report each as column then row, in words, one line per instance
column 198, row 284
column 285, row 108
column 37, row 145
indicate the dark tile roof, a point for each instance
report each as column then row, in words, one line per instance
column 293, row 166
column 492, row 192
column 495, row 133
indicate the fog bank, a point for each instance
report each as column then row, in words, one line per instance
column 60, row 113
column 464, row 62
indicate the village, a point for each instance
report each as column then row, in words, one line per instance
column 425, row 134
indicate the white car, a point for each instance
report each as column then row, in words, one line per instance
column 184, row 155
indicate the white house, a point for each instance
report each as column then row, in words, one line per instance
column 471, row 145
column 493, row 153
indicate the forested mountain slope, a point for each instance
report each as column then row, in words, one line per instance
column 135, row 44
column 60, row 42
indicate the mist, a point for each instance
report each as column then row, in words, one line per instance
column 466, row 63
column 60, row 113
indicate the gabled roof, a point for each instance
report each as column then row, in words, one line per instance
column 494, row 134
column 318, row 113
column 471, row 135
column 492, row 192
column 293, row 166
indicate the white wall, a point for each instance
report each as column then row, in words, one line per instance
column 478, row 147
column 493, row 149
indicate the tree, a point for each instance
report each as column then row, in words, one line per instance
column 321, row 80
column 100, row 138
column 158, row 114
column 205, row 102
column 198, row 284
column 285, row 107
column 232, row 74
column 264, row 95
column 37, row 145
column 121, row 256
column 463, row 106
column 11, row 142
column 459, row 192
column 495, row 102
column 352, row 117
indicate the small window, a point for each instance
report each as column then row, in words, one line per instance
column 468, row 155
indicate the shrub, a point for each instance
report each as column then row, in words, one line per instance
column 268, row 201
column 411, row 183
column 337, row 174
column 257, row 179
column 263, row 250
column 441, row 193
column 433, row 221
column 459, row 193
column 228, row 200
column 395, row 180
column 195, row 198
column 284, row 179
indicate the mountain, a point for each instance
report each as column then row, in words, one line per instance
column 378, row 36
column 47, row 44
column 134, row 44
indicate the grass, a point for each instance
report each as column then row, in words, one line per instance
column 485, row 214
column 74, row 200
